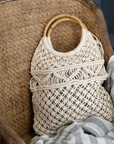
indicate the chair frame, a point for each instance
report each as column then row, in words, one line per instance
column 7, row 134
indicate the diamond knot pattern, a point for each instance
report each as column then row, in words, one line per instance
column 68, row 88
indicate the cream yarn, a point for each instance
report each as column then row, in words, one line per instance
column 67, row 86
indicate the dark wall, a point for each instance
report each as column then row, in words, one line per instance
column 107, row 7
column 98, row 2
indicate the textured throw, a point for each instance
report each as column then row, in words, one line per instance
column 67, row 87
column 109, row 83
column 93, row 130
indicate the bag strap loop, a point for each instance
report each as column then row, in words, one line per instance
column 60, row 18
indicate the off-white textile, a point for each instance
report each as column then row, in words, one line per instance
column 67, row 87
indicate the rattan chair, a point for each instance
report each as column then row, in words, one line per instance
column 21, row 26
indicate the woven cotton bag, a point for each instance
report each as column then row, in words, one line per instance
column 67, row 86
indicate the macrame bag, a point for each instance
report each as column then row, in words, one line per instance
column 67, row 86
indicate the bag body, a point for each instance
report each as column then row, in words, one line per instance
column 67, row 86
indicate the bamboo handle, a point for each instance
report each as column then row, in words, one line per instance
column 62, row 17
column 56, row 23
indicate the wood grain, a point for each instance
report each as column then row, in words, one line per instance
column 8, row 133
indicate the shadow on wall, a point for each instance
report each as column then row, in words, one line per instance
column 107, row 7
column 98, row 2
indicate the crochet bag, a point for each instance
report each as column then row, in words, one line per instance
column 67, row 86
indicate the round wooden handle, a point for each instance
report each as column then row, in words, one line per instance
column 60, row 18
column 56, row 23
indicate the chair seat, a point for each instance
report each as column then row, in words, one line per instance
column 21, row 27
